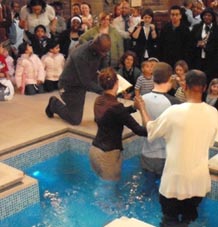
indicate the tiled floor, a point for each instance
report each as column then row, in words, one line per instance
column 23, row 121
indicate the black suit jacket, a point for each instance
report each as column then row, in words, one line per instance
column 141, row 44
column 174, row 44
column 209, row 64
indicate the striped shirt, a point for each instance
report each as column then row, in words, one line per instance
column 180, row 94
column 145, row 85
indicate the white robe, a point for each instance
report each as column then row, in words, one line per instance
column 189, row 129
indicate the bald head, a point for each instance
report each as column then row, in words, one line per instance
column 195, row 78
column 102, row 44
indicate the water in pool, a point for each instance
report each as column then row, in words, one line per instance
column 72, row 196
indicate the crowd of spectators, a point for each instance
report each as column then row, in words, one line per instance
column 40, row 48
column 190, row 35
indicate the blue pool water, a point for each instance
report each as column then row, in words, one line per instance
column 72, row 196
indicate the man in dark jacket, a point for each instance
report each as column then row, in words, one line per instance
column 204, row 38
column 79, row 75
column 174, row 43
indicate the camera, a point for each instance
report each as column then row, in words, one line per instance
column 142, row 23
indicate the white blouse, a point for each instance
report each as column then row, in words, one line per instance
column 33, row 20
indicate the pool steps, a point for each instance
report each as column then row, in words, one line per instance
column 17, row 191
column 9, row 176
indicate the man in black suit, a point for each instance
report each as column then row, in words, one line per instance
column 204, row 39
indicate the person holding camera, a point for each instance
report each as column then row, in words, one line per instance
column 145, row 37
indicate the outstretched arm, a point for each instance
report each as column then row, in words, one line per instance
column 140, row 105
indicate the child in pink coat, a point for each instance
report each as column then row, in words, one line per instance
column 53, row 63
column 29, row 73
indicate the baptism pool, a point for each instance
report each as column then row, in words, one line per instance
column 71, row 195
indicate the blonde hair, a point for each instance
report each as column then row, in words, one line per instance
column 212, row 82
column 103, row 15
column 145, row 63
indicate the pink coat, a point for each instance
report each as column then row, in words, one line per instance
column 29, row 69
column 53, row 65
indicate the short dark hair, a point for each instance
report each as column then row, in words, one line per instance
column 149, row 12
column 40, row 26
column 210, row 11
column 107, row 78
column 129, row 53
column 32, row 3
column 76, row 4
column 13, row 3
column 57, row 4
column 176, row 7
column 195, row 78
column 22, row 48
column 52, row 44
column 162, row 72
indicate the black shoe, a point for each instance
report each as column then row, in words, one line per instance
column 48, row 111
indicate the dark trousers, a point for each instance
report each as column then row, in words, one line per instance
column 50, row 85
column 72, row 108
column 179, row 212
column 127, row 43
column 33, row 89
column 208, row 66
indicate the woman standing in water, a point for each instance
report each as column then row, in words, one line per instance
column 111, row 116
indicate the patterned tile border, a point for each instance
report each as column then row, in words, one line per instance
column 42, row 151
column 19, row 200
